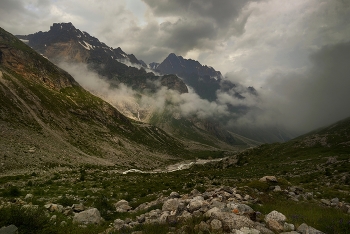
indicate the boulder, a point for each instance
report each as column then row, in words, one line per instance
column 194, row 205
column 232, row 221
column 287, row 227
column 122, row 206
column 174, row 195
column 171, row 205
column 91, row 216
column 216, row 224
column 274, row 225
column 326, row 202
column 78, row 207
column 118, row 224
column 277, row 189
column 305, row 229
column 268, row 179
column 28, row 196
column 277, row 216
column 246, row 230
column 11, row 229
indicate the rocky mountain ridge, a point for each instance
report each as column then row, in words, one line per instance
column 63, row 42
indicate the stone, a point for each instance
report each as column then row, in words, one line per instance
column 123, row 208
column 174, row 195
column 232, row 221
column 185, row 216
column 53, row 218
column 275, row 215
column 91, row 216
column 217, row 204
column 263, row 229
column 245, row 230
column 164, row 216
column 277, row 188
column 216, row 224
column 292, row 232
column 268, row 179
column 227, row 189
column 203, row 226
column 287, row 227
column 56, row 208
column 121, row 202
column 195, row 192
column 63, row 224
column 11, row 229
column 29, row 196
column 326, row 202
column 305, row 229
column 78, row 207
column 242, row 209
column 274, row 225
column 141, row 218
column 212, row 210
column 335, row 201
column 171, row 219
column 171, row 205
column 118, row 224
column 194, row 205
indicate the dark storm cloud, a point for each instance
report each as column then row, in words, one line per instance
column 303, row 101
column 195, row 24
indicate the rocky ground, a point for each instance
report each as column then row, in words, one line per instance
column 218, row 209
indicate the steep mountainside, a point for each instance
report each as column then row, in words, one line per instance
column 64, row 42
column 47, row 119
column 204, row 80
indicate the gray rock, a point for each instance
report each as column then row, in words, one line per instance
column 241, row 208
column 195, row 205
column 268, row 179
column 118, row 224
column 232, row 221
column 263, row 229
column 28, row 196
column 171, row 205
column 292, row 232
column 246, row 230
column 305, row 229
column 78, row 207
column 274, row 225
column 122, row 206
column 287, row 227
column 53, row 218
column 185, row 216
column 174, row 195
column 203, row 227
column 277, row 216
column 335, row 201
column 277, row 188
column 326, row 202
column 11, row 229
column 217, row 204
column 91, row 216
column 216, row 224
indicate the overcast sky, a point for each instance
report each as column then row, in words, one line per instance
column 296, row 53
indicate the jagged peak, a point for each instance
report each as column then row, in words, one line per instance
column 62, row 26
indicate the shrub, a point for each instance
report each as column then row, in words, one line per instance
column 12, row 191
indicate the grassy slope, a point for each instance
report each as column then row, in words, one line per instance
column 76, row 116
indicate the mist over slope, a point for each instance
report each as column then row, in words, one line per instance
column 49, row 120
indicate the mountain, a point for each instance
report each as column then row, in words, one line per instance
column 203, row 79
column 48, row 120
column 63, row 42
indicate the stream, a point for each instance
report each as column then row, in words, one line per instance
column 175, row 167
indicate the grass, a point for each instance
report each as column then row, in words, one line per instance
column 329, row 220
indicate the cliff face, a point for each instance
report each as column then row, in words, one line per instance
column 63, row 42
